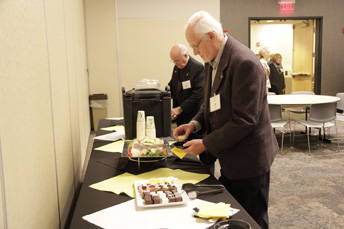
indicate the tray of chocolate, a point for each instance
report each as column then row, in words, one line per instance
column 157, row 192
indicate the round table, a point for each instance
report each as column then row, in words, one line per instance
column 301, row 100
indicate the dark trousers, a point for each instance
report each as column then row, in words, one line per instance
column 208, row 160
column 253, row 196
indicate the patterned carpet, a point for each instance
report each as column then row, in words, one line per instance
column 307, row 189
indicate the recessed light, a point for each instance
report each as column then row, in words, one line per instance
column 270, row 21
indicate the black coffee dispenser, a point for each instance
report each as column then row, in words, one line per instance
column 154, row 102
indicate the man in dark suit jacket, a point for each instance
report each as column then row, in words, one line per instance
column 187, row 91
column 235, row 115
column 186, row 84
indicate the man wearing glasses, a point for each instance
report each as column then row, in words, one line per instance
column 235, row 115
column 187, row 85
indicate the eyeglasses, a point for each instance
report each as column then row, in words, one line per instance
column 176, row 61
column 196, row 47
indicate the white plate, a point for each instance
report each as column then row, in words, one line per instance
column 140, row 202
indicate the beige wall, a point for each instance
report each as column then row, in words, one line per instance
column 149, row 58
column 278, row 38
column 100, row 17
column 44, row 122
column 128, row 40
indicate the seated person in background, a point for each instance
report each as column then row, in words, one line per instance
column 264, row 55
column 187, row 85
column 276, row 74
column 187, row 92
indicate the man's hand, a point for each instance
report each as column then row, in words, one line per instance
column 175, row 112
column 196, row 147
column 184, row 129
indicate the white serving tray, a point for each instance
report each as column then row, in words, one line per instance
column 140, row 202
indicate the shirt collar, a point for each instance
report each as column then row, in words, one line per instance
column 216, row 62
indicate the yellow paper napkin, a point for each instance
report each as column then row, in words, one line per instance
column 124, row 183
column 114, row 128
column 114, row 147
column 183, row 176
column 179, row 152
column 214, row 210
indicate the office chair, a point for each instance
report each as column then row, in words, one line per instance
column 303, row 110
column 321, row 116
column 277, row 122
column 340, row 103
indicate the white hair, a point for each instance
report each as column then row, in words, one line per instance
column 203, row 23
column 183, row 50
column 264, row 51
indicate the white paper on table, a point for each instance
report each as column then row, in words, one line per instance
column 115, row 118
column 128, row 215
column 112, row 136
column 114, row 128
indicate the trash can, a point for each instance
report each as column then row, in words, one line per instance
column 98, row 109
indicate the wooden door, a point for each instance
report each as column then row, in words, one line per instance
column 303, row 60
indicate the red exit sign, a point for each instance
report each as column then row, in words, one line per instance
column 286, row 5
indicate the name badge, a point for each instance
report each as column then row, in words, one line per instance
column 186, row 84
column 215, row 103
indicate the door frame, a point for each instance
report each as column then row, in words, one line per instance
column 318, row 43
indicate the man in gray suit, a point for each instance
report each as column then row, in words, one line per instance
column 235, row 115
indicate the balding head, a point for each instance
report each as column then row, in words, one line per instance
column 179, row 55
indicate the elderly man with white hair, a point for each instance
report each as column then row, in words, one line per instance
column 187, row 91
column 264, row 55
column 186, row 84
column 235, row 115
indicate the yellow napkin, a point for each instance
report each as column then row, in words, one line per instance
column 115, row 118
column 114, row 128
column 114, row 147
column 124, row 183
column 119, row 184
column 214, row 210
column 179, row 152
column 183, row 176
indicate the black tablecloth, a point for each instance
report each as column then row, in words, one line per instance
column 105, row 165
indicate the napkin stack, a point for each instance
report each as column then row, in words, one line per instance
column 213, row 212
